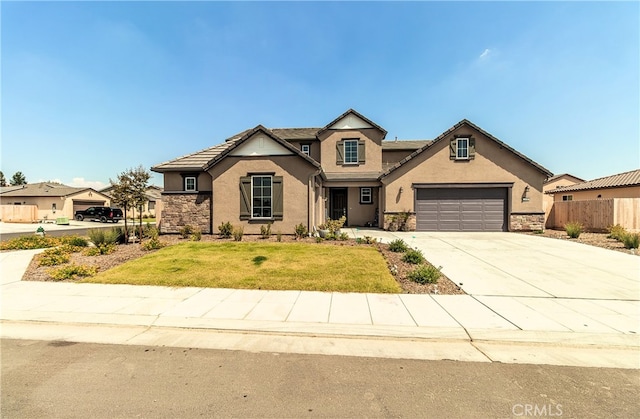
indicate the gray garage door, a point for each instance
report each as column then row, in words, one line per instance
column 463, row 209
column 83, row 205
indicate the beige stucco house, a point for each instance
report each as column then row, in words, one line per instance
column 463, row 180
column 53, row 200
column 621, row 185
column 153, row 194
column 553, row 183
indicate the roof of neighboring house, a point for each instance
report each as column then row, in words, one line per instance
column 446, row 134
column 43, row 189
column 620, row 180
column 404, row 144
column 152, row 192
column 567, row 175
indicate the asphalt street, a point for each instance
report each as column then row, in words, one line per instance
column 77, row 380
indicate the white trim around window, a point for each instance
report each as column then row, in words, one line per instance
column 350, row 151
column 306, row 149
column 366, row 195
column 261, row 196
column 567, row 197
column 462, row 149
column 190, row 184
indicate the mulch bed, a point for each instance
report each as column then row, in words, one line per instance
column 592, row 239
column 124, row 253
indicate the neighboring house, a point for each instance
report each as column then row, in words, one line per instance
column 464, row 180
column 153, row 194
column 53, row 200
column 553, row 183
column 622, row 185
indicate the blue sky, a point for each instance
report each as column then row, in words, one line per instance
column 92, row 89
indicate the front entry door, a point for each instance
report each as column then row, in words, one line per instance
column 338, row 207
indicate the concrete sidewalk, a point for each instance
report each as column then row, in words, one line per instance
column 467, row 328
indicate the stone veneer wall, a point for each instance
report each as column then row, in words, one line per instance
column 395, row 217
column 181, row 209
column 527, row 222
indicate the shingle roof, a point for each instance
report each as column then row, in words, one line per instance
column 446, row 135
column 359, row 115
column 404, row 144
column 195, row 161
column 620, row 180
column 43, row 189
column 552, row 178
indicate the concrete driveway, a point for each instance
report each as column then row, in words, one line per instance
column 518, row 265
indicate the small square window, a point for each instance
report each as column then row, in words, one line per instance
column 366, row 196
column 567, row 197
column 462, row 149
column 306, row 149
column 190, row 183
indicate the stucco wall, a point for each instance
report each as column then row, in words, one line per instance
column 360, row 214
column 226, row 191
column 491, row 164
column 629, row 192
column 173, row 181
column 373, row 155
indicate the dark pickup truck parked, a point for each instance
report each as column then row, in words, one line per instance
column 102, row 214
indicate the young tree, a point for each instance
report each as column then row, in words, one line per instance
column 18, row 179
column 129, row 193
column 3, row 180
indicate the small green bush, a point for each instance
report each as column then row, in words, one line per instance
column 152, row 244
column 343, row 236
column 265, row 231
column 319, row 239
column 101, row 249
column 238, row 232
column 425, row 274
column 573, row 229
column 414, row 256
column 617, row 232
column 335, row 225
column 398, row 246
column 53, row 256
column 73, row 271
column 186, row 231
column 75, row 241
column 99, row 236
column 30, row 242
column 631, row 240
column 196, row 235
column 301, row 231
column 225, row 230
column 279, row 235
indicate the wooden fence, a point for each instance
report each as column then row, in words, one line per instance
column 19, row 213
column 597, row 214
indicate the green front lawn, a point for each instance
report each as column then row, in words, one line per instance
column 272, row 266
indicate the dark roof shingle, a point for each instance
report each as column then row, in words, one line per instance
column 620, row 180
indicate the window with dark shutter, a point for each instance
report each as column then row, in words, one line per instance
column 340, row 153
column 245, row 198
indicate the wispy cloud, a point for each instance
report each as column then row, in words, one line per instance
column 485, row 54
column 81, row 182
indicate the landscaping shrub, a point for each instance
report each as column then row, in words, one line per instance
column 196, row 235
column 73, row 271
column 118, row 236
column 573, row 229
column 75, row 241
column 398, row 246
column 53, row 256
column 301, row 231
column 414, row 256
column 265, row 231
column 366, row 240
column 617, row 232
column 186, row 231
column 334, row 225
column 225, row 230
column 152, row 244
column 343, row 236
column 101, row 249
column 279, row 236
column 99, row 236
column 238, row 232
column 425, row 274
column 631, row 240
column 30, row 242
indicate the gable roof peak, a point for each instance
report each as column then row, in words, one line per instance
column 352, row 111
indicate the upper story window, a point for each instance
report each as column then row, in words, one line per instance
column 261, row 196
column 190, row 184
column 462, row 148
column 351, row 151
column 306, row 149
